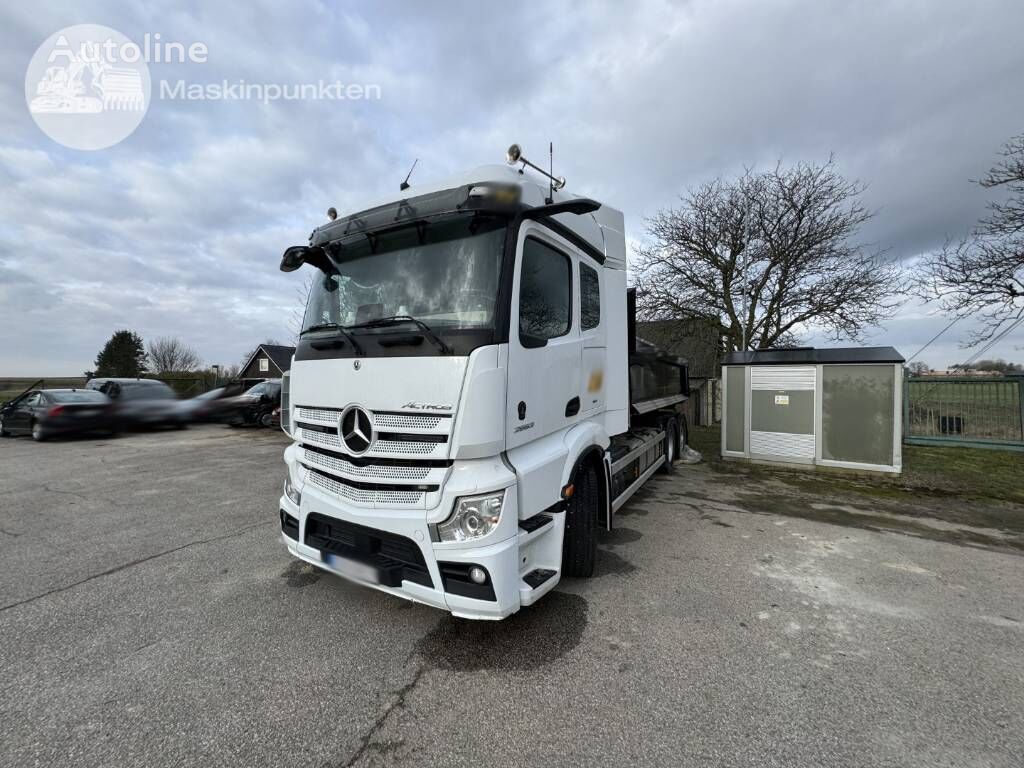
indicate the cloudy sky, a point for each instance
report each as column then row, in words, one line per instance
column 178, row 229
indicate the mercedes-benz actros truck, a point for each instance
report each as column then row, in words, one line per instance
column 468, row 403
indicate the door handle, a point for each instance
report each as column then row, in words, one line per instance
column 572, row 407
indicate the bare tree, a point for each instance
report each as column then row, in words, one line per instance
column 168, row 354
column 765, row 256
column 983, row 274
column 919, row 368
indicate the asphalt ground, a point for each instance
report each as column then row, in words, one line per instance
column 150, row 616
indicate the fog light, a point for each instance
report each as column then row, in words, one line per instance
column 478, row 574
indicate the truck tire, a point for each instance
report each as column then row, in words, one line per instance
column 671, row 447
column 579, row 545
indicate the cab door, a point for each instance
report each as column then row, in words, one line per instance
column 545, row 348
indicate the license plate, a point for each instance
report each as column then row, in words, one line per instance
column 353, row 569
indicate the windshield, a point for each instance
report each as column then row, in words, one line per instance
column 443, row 273
column 269, row 388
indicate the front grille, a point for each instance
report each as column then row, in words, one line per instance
column 409, row 445
column 413, row 448
column 407, row 460
column 396, row 557
column 317, row 414
column 381, row 419
column 405, row 421
column 357, row 492
column 315, row 436
column 333, row 461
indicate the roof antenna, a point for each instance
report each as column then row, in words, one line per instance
column 551, row 173
column 405, row 184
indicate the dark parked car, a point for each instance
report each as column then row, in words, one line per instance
column 45, row 413
column 142, row 403
column 256, row 405
column 212, row 406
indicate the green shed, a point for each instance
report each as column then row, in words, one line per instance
column 839, row 407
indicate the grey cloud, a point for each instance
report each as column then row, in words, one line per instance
column 177, row 229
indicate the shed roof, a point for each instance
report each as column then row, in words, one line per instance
column 812, row 356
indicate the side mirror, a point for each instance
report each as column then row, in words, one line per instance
column 529, row 341
column 297, row 255
column 293, row 258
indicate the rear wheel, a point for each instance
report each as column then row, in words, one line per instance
column 579, row 545
column 671, row 447
column 37, row 432
column 267, row 420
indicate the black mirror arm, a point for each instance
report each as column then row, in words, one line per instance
column 318, row 257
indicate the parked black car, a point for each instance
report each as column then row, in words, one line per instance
column 45, row 413
column 256, row 405
column 209, row 407
column 143, row 403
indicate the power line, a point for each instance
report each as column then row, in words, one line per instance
column 991, row 344
column 933, row 339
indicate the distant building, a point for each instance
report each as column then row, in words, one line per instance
column 268, row 361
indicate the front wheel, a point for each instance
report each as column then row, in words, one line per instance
column 267, row 420
column 579, row 545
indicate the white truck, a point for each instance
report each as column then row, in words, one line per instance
column 466, row 401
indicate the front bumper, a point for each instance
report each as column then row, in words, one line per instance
column 391, row 539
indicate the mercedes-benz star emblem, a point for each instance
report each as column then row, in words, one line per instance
column 356, row 430
column 356, row 364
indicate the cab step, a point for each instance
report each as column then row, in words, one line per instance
column 534, row 523
column 537, row 577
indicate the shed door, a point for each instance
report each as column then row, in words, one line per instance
column 782, row 411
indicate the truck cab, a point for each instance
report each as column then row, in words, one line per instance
column 459, row 399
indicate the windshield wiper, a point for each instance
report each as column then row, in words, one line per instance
column 342, row 331
column 382, row 322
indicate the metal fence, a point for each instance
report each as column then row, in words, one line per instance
column 980, row 412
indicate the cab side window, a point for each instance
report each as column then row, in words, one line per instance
column 590, row 297
column 545, row 293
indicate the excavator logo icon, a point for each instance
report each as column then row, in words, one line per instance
column 81, row 93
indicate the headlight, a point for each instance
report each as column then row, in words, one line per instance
column 474, row 516
column 291, row 491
